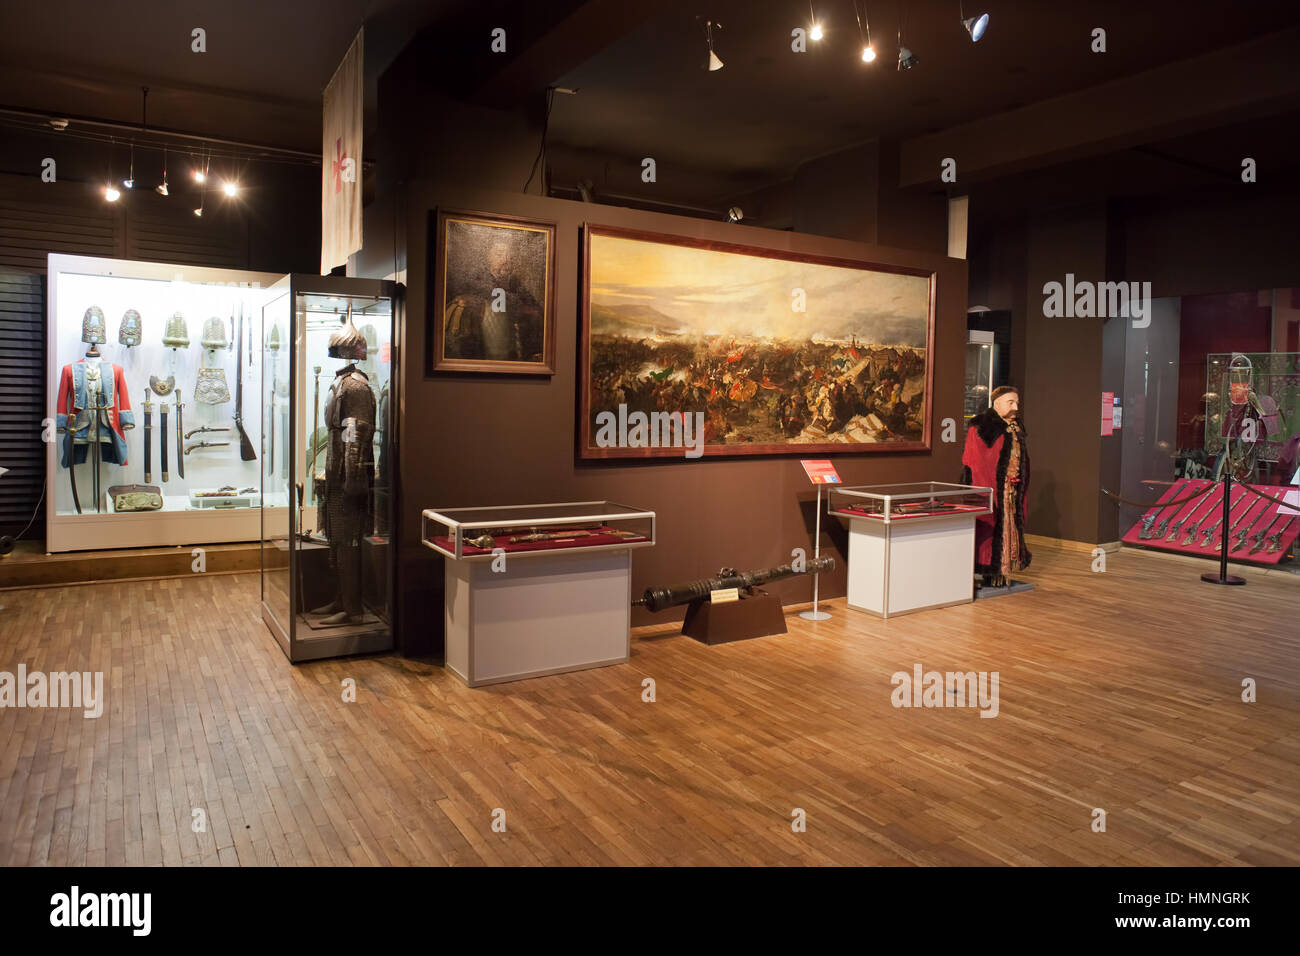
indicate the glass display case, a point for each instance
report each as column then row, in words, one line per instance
column 153, row 404
column 327, row 464
column 981, row 359
column 522, row 530
column 910, row 501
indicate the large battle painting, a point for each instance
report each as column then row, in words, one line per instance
column 758, row 351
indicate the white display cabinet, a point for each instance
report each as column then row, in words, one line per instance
column 210, row 494
column 911, row 546
column 533, row 590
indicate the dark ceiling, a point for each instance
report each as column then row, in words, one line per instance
column 770, row 109
column 639, row 69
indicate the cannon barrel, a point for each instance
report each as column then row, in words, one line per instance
column 658, row 599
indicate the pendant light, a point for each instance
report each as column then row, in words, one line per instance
column 161, row 188
column 868, row 51
column 715, row 63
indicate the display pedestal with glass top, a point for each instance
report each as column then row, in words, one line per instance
column 327, row 378
column 537, row 589
column 911, row 546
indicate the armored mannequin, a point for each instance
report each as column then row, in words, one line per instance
column 997, row 457
column 349, row 473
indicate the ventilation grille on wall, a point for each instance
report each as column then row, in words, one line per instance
column 22, row 358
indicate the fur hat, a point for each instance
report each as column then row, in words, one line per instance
column 1003, row 390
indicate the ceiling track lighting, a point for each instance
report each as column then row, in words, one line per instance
column 868, row 51
column 975, row 25
column 906, row 58
column 714, row 63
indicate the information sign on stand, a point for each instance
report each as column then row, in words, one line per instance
column 820, row 472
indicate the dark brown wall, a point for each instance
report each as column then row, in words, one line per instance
column 487, row 440
column 1063, row 376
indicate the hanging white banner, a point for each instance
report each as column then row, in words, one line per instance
column 340, row 185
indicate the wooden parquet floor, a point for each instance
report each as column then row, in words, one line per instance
column 1119, row 691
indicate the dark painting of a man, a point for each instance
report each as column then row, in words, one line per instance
column 495, row 296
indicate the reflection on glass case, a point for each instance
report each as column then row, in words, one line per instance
column 326, row 386
column 153, row 397
column 910, row 501
column 523, row 530
column 980, row 362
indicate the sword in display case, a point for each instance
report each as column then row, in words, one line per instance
column 148, row 439
column 1147, row 521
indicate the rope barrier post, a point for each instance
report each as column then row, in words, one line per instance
column 1223, row 577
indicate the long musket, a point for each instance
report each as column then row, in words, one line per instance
column 148, row 439
column 1195, row 529
column 1146, row 533
column 1241, row 535
column 315, row 424
column 1178, row 525
column 1261, row 537
column 1275, row 539
column 657, row 599
column 1215, row 531
column 246, row 452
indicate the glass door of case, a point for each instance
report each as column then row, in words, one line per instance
column 980, row 362
column 337, row 347
column 277, row 448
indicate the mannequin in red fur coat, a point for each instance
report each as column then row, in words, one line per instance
column 997, row 457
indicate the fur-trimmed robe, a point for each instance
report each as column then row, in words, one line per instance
column 984, row 463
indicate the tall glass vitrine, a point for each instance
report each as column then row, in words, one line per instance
column 328, row 355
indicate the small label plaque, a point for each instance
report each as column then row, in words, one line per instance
column 724, row 595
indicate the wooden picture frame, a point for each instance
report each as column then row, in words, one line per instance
column 749, row 366
column 492, row 306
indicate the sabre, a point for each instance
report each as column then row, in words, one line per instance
column 180, row 439
column 162, row 438
column 71, row 429
column 96, row 450
column 148, row 438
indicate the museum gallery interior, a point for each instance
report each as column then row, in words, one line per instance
column 691, row 433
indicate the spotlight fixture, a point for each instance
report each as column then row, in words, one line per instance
column 868, row 51
column 161, row 188
column 976, row 25
column 715, row 63
column 58, row 124
column 200, row 176
column 815, row 31
column 906, row 58
column 198, row 211
column 111, row 193
column 230, row 188
column 735, row 214
column 129, row 182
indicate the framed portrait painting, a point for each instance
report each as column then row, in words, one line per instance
column 493, row 301
column 696, row 347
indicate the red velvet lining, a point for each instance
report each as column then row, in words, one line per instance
column 1262, row 513
column 590, row 540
